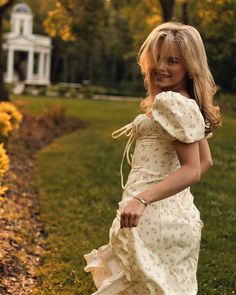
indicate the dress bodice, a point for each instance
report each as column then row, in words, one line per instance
column 172, row 117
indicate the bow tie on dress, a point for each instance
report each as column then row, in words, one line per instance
column 126, row 130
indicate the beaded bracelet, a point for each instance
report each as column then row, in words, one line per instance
column 141, row 200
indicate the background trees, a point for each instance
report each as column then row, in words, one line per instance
column 217, row 23
column 99, row 40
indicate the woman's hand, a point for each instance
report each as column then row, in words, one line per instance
column 131, row 213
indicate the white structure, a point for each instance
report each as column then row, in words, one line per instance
column 28, row 55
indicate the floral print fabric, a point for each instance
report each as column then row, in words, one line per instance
column 160, row 255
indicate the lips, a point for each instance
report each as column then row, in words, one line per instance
column 162, row 76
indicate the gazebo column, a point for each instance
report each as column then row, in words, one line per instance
column 47, row 68
column 30, row 64
column 41, row 67
column 10, row 65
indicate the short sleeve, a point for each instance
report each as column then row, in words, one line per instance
column 179, row 117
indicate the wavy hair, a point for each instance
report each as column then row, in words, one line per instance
column 200, row 83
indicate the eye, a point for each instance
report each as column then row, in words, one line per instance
column 154, row 72
column 172, row 60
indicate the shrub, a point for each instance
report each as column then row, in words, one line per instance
column 4, row 165
column 5, row 124
column 14, row 116
column 10, row 119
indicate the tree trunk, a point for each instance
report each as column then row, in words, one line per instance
column 185, row 13
column 167, row 7
column 90, row 68
column 65, row 68
column 114, row 70
column 3, row 92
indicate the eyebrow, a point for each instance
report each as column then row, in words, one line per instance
column 174, row 57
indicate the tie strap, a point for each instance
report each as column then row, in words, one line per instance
column 127, row 131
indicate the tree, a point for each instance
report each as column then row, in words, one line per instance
column 99, row 40
column 185, row 19
column 217, row 24
column 4, row 6
column 81, row 22
column 167, row 7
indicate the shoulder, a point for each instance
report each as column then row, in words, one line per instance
column 176, row 104
column 179, row 116
column 169, row 97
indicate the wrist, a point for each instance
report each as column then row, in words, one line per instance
column 141, row 200
column 147, row 196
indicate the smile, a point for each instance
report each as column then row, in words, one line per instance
column 161, row 76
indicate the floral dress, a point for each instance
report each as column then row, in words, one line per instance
column 160, row 255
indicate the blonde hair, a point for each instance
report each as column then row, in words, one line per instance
column 200, row 83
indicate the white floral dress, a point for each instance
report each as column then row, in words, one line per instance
column 160, row 255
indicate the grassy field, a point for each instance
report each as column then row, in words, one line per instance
column 79, row 188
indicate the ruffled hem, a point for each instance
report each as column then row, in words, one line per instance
column 107, row 274
column 126, row 265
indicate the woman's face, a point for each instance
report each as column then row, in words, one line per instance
column 170, row 73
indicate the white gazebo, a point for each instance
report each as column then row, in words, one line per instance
column 28, row 55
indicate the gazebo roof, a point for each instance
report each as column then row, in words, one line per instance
column 22, row 8
column 16, row 39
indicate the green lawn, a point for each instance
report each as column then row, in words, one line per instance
column 79, row 188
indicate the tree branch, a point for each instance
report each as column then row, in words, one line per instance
column 66, row 7
column 5, row 7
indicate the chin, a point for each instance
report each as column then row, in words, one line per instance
column 164, row 88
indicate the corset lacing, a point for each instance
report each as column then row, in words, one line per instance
column 127, row 131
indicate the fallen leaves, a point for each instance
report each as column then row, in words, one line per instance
column 21, row 232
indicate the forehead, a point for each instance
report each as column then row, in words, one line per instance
column 169, row 48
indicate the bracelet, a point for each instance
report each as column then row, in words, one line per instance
column 141, row 200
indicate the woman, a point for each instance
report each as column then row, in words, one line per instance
column 155, row 237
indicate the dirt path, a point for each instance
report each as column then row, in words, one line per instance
column 21, row 233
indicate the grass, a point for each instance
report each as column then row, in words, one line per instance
column 79, row 188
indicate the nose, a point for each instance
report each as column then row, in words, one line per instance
column 161, row 64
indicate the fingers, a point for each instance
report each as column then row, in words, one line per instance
column 131, row 214
column 128, row 220
column 125, row 217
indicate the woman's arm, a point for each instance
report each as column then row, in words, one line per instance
column 205, row 155
column 188, row 174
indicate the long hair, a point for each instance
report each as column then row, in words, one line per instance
column 200, row 83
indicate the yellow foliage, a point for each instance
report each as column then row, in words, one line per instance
column 182, row 1
column 3, row 189
column 10, row 118
column 4, row 161
column 3, row 2
column 154, row 20
column 141, row 17
column 59, row 23
column 5, row 124
column 215, row 12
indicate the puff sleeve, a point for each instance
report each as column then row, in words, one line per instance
column 179, row 117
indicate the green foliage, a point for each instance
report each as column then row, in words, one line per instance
column 216, row 22
column 99, row 40
column 79, row 189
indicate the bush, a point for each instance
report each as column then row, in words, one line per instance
column 4, row 165
column 226, row 101
column 73, row 92
column 10, row 118
column 4, row 161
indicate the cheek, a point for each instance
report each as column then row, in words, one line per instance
column 180, row 72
